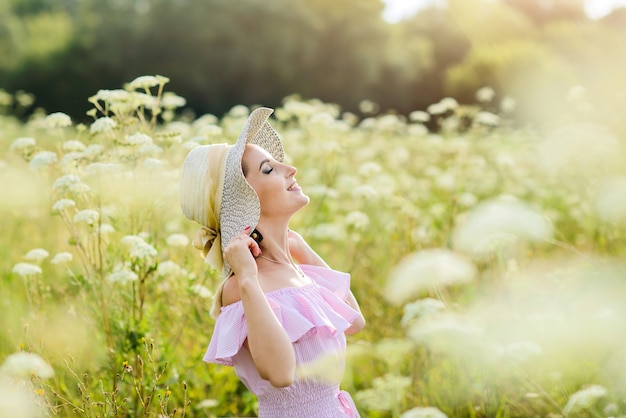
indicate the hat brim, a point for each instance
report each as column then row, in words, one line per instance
column 240, row 205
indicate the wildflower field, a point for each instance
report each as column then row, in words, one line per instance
column 488, row 257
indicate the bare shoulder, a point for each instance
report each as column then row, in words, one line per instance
column 230, row 292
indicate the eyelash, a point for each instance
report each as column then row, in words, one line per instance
column 266, row 171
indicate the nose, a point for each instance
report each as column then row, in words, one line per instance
column 290, row 170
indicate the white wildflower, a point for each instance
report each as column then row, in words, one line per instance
column 58, row 120
column 144, row 82
column 106, row 229
column 449, row 103
column 426, row 269
column 508, row 105
column 138, row 139
column 78, row 188
column 17, row 400
column 93, row 151
column 169, row 268
column 419, row 116
column 42, row 159
column 210, row 131
column 386, row 392
column 357, row 219
column 22, row 143
column 485, row 94
column 26, row 269
column 423, row 412
column 70, row 160
column 499, row 224
column 239, row 111
column 421, row 308
column 441, row 330
column 62, row 204
column 102, row 125
column 177, row 240
column 24, row 365
column 172, row 101
column 122, row 276
column 467, row 199
column 138, row 248
column 364, row 191
column 584, row 399
column 417, row 130
column 149, row 149
column 88, row 216
column 110, row 96
column 102, row 168
column 62, row 258
column 321, row 119
column 437, row 109
column 610, row 200
column 368, row 106
column 369, row 169
column 207, row 403
column 201, row 291
column 65, row 182
column 487, row 118
column 37, row 255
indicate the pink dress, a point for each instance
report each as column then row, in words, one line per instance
column 315, row 317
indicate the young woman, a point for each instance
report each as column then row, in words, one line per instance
column 281, row 312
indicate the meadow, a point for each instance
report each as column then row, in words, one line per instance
column 487, row 256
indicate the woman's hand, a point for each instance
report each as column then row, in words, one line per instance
column 240, row 255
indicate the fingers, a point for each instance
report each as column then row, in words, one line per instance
column 243, row 239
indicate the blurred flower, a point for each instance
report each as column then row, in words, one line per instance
column 497, row 225
column 508, row 105
column 65, row 182
column 386, row 392
column 153, row 164
column 369, row 168
column 111, row 96
column 467, row 199
column 239, row 111
column 420, row 309
column 368, row 107
column 321, row 119
column 419, row 116
column 58, row 120
column 26, row 269
column 18, row 400
column 42, row 159
column 210, row 131
column 423, row 412
column 577, row 94
column 584, row 399
column 201, row 291
column 357, row 219
column 169, row 268
column 61, row 258
column 138, row 139
column 425, row 269
column 122, row 276
column 88, row 216
column 102, row 168
column 177, row 240
column 106, row 229
column 37, row 255
column 144, row 82
column 138, row 248
column 485, row 94
column 24, row 365
column 487, row 118
column 102, row 125
column 418, row 130
column 207, row 403
column 444, row 331
column 610, row 200
column 93, row 151
column 363, row 191
column 22, row 143
column 172, row 101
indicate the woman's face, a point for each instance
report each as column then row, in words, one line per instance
column 274, row 182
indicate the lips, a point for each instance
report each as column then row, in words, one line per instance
column 294, row 186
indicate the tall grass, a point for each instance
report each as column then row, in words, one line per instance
column 488, row 258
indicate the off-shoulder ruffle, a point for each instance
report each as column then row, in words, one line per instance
column 318, row 306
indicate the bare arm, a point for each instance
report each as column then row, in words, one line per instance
column 304, row 254
column 267, row 339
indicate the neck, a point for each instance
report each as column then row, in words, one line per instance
column 275, row 243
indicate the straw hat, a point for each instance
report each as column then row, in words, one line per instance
column 215, row 193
